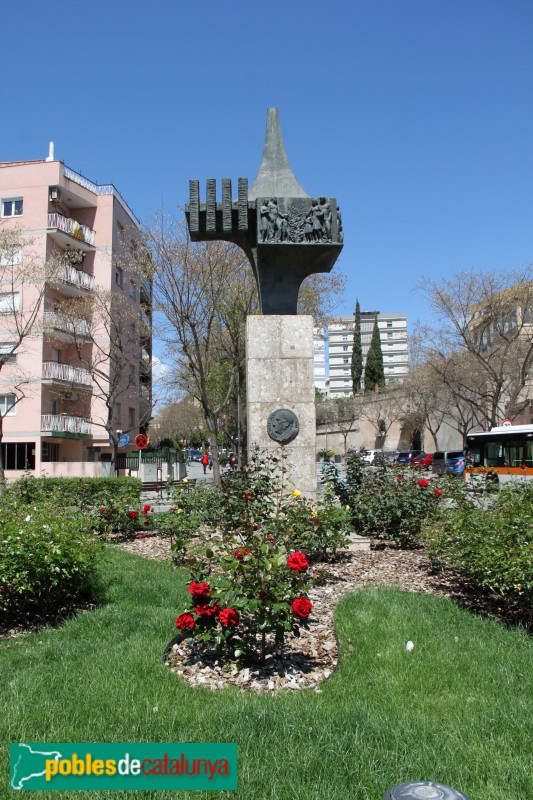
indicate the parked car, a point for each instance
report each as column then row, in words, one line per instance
column 194, row 455
column 406, row 456
column 440, row 459
column 422, row 462
column 455, row 465
column 368, row 456
column 385, row 456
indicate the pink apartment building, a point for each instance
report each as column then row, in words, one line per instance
column 54, row 429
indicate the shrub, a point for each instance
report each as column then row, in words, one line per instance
column 390, row 503
column 319, row 529
column 83, row 493
column 247, row 590
column 47, row 554
column 490, row 545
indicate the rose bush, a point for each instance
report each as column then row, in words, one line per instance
column 388, row 503
column 243, row 587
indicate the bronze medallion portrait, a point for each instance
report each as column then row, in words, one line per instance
column 283, row 426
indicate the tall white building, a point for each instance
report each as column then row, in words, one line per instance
column 319, row 358
column 393, row 335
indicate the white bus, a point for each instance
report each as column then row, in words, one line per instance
column 502, row 455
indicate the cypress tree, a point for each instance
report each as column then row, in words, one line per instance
column 374, row 372
column 357, row 352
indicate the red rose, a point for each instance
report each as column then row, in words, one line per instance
column 102, row 510
column 523, row 466
column 147, row 507
column 399, row 477
column 437, row 492
column 247, row 496
column 241, row 552
column 423, row 483
column 228, row 617
column 142, row 536
column 132, row 514
column 199, row 589
column 301, row 607
column 146, row 523
column 171, row 508
column 185, row 621
column 206, row 610
column 297, row 562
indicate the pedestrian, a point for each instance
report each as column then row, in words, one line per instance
column 205, row 462
column 233, row 461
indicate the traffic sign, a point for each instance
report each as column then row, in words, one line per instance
column 123, row 441
column 141, row 441
column 507, row 423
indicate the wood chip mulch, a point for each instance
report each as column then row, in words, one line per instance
column 310, row 659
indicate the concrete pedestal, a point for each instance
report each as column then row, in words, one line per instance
column 279, row 374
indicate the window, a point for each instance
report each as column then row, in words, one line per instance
column 131, row 375
column 389, row 324
column 132, row 290
column 10, row 258
column 49, row 451
column 7, row 356
column 19, row 455
column 9, row 302
column 12, row 207
column 132, row 332
column 345, row 347
column 131, row 417
column 7, row 405
column 119, row 277
column 118, row 412
column 345, row 361
column 120, row 231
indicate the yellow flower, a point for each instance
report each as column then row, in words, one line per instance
column 347, row 508
column 296, row 493
column 185, row 480
column 180, row 511
column 314, row 512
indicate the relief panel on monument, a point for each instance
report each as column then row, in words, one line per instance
column 298, row 220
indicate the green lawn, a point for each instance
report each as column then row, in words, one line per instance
column 456, row 710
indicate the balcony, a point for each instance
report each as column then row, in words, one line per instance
column 145, row 319
column 73, row 282
column 65, row 328
column 66, row 426
column 65, row 231
column 66, row 373
column 146, row 291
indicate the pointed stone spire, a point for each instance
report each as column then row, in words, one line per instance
column 275, row 177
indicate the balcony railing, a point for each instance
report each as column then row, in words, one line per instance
column 76, row 277
column 66, row 372
column 71, row 227
column 65, row 423
column 145, row 319
column 54, row 321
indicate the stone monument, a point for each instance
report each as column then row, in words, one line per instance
column 287, row 236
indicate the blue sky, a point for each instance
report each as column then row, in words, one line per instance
column 415, row 114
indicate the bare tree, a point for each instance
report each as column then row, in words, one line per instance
column 382, row 410
column 104, row 330
column 23, row 280
column 347, row 410
column 488, row 320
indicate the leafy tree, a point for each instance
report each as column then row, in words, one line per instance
column 357, row 351
column 374, row 372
